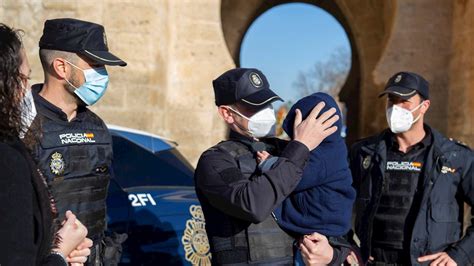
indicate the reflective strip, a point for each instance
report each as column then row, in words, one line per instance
column 404, row 94
column 103, row 59
column 260, row 103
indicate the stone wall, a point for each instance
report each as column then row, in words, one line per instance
column 176, row 47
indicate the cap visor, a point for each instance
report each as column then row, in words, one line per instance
column 262, row 97
column 400, row 92
column 103, row 57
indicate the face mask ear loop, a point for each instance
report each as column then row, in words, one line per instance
column 237, row 124
column 416, row 108
column 68, row 82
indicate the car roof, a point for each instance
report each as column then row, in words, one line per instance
column 149, row 141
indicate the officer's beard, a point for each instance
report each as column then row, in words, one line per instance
column 74, row 81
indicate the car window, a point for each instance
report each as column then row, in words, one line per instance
column 134, row 165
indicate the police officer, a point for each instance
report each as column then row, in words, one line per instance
column 412, row 182
column 74, row 150
column 237, row 199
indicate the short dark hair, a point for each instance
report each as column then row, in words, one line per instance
column 47, row 56
column 10, row 82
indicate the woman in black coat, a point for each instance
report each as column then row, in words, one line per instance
column 27, row 235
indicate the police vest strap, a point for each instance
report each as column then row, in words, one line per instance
column 234, row 148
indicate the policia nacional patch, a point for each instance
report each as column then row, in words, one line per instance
column 57, row 163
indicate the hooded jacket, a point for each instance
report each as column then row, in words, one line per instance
column 322, row 201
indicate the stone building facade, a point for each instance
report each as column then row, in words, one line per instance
column 175, row 48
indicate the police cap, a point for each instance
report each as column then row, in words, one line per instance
column 405, row 85
column 82, row 37
column 245, row 85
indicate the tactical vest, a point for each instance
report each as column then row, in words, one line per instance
column 75, row 159
column 262, row 243
column 393, row 210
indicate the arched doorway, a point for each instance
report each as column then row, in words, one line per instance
column 367, row 35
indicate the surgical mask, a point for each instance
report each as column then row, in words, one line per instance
column 262, row 123
column 400, row 119
column 94, row 88
column 28, row 112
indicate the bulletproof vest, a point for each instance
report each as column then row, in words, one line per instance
column 75, row 159
column 395, row 209
column 264, row 242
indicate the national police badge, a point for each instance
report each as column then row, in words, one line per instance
column 195, row 242
column 366, row 162
column 255, row 80
column 398, row 78
column 105, row 39
column 57, row 163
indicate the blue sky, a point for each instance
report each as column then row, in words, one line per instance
column 288, row 39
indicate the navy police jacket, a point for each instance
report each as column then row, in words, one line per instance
column 448, row 181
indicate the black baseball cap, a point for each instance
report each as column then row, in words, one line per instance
column 405, row 85
column 82, row 37
column 245, row 85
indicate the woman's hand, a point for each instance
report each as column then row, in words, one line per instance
column 72, row 234
column 79, row 255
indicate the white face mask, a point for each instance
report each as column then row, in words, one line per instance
column 262, row 123
column 400, row 119
column 28, row 112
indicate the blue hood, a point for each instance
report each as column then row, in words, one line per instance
column 307, row 104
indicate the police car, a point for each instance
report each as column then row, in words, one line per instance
column 152, row 199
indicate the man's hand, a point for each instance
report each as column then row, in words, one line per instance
column 316, row 250
column 311, row 132
column 438, row 259
column 262, row 156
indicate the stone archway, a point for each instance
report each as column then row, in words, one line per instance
column 367, row 32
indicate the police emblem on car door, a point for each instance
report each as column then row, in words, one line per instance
column 195, row 242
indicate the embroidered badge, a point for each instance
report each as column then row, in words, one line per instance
column 446, row 170
column 366, row 162
column 398, row 78
column 57, row 163
column 255, row 80
column 195, row 242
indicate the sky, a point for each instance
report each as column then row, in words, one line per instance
column 288, row 39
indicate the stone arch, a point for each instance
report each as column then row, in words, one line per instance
column 367, row 24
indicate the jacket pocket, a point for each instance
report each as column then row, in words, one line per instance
column 446, row 228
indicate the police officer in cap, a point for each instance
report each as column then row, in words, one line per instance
column 236, row 198
column 74, row 149
column 412, row 182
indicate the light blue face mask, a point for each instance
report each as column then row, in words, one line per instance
column 94, row 88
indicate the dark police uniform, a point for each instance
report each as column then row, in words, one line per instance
column 411, row 205
column 238, row 200
column 75, row 158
